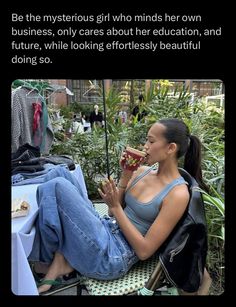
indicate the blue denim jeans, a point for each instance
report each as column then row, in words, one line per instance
column 68, row 223
column 34, row 178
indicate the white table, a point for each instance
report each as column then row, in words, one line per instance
column 23, row 233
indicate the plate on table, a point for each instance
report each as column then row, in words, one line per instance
column 19, row 207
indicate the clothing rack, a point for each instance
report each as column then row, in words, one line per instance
column 39, row 86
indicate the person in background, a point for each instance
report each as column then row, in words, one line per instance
column 123, row 115
column 96, row 117
column 138, row 109
column 77, row 126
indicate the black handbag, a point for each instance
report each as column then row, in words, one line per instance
column 183, row 254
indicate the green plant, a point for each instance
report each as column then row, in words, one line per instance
column 215, row 215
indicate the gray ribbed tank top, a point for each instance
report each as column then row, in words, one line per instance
column 142, row 215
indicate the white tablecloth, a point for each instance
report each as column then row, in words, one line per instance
column 23, row 233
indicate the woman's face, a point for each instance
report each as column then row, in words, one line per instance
column 156, row 145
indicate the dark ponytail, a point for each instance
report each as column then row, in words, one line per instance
column 193, row 160
column 188, row 146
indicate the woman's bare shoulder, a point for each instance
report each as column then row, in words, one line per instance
column 179, row 194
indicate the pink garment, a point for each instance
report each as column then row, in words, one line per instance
column 37, row 115
column 37, row 128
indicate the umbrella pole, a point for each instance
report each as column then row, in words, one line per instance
column 105, row 126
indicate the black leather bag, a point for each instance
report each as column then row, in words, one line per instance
column 183, row 255
column 27, row 159
column 20, row 159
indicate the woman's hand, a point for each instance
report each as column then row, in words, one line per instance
column 109, row 193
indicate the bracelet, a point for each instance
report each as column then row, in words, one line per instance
column 121, row 186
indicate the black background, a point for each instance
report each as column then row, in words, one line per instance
column 215, row 60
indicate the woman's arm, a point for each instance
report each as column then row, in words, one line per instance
column 172, row 210
column 126, row 179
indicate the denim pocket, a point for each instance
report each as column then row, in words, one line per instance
column 128, row 255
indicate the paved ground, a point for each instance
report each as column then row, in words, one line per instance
column 71, row 291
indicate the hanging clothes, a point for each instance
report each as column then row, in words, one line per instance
column 37, row 129
column 30, row 120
